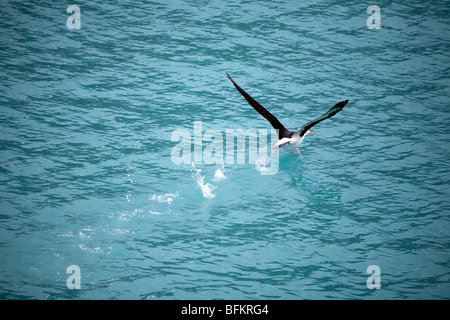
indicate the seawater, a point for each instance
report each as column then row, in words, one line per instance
column 86, row 118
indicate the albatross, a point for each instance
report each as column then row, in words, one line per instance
column 285, row 136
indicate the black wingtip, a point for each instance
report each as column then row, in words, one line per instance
column 234, row 83
column 342, row 104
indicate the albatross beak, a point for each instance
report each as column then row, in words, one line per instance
column 311, row 133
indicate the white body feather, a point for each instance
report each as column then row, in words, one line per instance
column 294, row 140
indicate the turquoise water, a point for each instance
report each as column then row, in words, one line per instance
column 87, row 176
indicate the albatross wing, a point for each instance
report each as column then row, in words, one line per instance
column 262, row 111
column 338, row 107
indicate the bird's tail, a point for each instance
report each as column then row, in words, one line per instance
column 280, row 143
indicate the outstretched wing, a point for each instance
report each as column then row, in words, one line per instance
column 262, row 111
column 338, row 107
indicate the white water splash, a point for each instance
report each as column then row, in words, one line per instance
column 219, row 174
column 167, row 197
column 155, row 212
column 261, row 163
column 207, row 188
